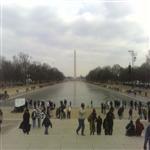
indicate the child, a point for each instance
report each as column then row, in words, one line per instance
column 99, row 124
column 46, row 123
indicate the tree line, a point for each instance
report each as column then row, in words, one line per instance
column 121, row 74
column 21, row 69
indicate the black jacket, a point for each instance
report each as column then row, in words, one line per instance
column 47, row 122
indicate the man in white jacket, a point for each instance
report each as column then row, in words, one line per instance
column 81, row 119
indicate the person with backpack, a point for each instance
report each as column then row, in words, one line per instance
column 47, row 123
column 34, row 116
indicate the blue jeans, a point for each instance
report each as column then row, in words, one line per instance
column 34, row 122
column 81, row 126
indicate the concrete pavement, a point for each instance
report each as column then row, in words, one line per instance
column 63, row 137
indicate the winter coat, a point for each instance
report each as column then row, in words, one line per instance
column 139, row 128
column 25, row 124
column 47, row 122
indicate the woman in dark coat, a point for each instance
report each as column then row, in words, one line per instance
column 110, row 117
column 99, row 124
column 130, row 129
column 25, row 125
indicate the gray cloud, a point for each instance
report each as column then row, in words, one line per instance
column 43, row 34
column 118, row 10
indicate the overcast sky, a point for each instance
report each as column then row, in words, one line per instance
column 101, row 31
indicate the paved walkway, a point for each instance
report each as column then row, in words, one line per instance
column 63, row 137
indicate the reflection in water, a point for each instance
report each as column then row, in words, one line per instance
column 75, row 92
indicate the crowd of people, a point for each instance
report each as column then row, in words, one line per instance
column 43, row 111
column 134, row 130
column 41, row 114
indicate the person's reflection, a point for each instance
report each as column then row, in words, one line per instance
column 74, row 93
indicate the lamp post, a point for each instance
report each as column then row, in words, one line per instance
column 133, row 56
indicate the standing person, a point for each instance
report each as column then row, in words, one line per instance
column 130, row 129
column 145, row 113
column 39, row 117
column 46, row 123
column 130, row 113
column 99, row 124
column 92, row 119
column 34, row 115
column 102, row 108
column 139, row 127
column 105, row 125
column 69, row 112
column 147, row 137
column 120, row 113
column 140, row 112
column 110, row 118
column 70, row 103
column 25, row 125
column 135, row 105
column 1, row 119
column 91, row 104
column 81, row 119
column 131, row 104
column 148, row 113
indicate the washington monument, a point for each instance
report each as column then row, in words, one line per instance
column 75, row 64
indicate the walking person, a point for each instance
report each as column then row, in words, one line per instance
column 81, row 119
column 47, row 123
column 1, row 119
column 34, row 116
column 25, row 125
column 99, row 124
